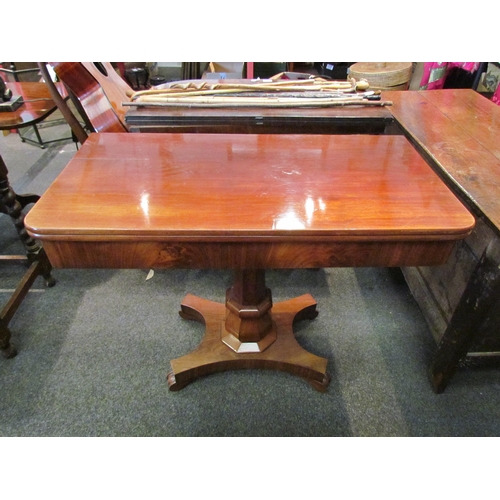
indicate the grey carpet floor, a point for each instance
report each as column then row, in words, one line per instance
column 94, row 352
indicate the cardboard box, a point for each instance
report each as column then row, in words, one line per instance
column 224, row 70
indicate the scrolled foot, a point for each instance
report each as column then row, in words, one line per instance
column 309, row 312
column 192, row 309
column 322, row 385
column 172, row 383
column 190, row 314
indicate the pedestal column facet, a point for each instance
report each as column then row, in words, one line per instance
column 248, row 326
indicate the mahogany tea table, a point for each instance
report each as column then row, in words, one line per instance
column 248, row 203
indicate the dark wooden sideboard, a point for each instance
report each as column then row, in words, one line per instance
column 372, row 120
column 260, row 120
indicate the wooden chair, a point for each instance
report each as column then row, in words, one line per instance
column 98, row 93
column 13, row 204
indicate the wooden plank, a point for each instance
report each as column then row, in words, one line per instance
column 472, row 112
column 454, row 148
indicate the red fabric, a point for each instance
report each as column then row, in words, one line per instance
column 496, row 96
column 435, row 73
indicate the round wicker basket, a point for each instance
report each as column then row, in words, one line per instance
column 383, row 75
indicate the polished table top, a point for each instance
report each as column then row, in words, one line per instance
column 37, row 105
column 246, row 188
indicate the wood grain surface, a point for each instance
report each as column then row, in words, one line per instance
column 36, row 107
column 101, row 95
column 458, row 130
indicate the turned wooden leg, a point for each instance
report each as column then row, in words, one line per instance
column 12, row 205
column 248, row 332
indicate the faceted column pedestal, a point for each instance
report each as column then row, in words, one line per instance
column 248, row 332
column 248, row 326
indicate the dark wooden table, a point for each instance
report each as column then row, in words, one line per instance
column 458, row 132
column 248, row 203
column 37, row 106
column 247, row 120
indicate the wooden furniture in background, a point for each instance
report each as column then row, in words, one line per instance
column 99, row 90
column 458, row 132
column 19, row 71
column 191, row 70
column 248, row 203
column 13, row 204
column 252, row 120
column 79, row 133
column 37, row 106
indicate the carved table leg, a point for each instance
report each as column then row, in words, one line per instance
column 12, row 204
column 248, row 332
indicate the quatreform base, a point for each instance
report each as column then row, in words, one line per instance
column 214, row 355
